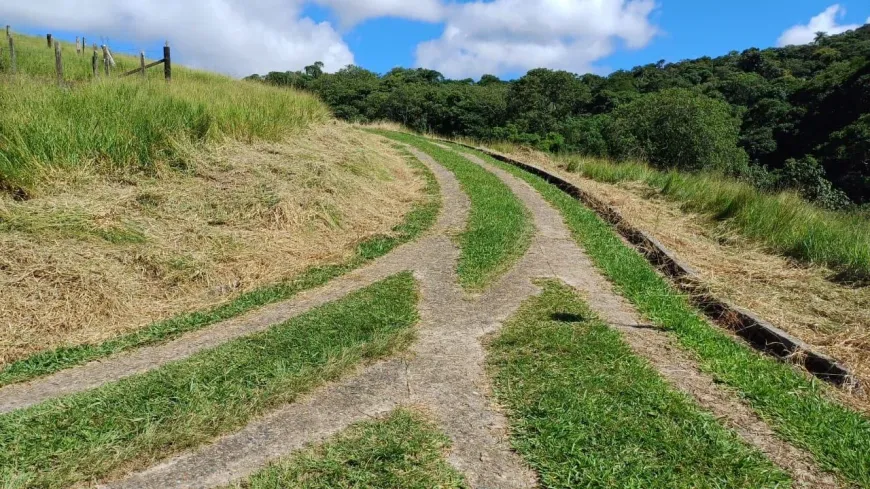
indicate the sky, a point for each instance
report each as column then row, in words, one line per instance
column 459, row 38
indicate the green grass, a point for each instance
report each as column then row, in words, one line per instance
column 797, row 406
column 499, row 227
column 421, row 218
column 784, row 222
column 122, row 124
column 402, row 451
column 586, row 412
column 140, row 420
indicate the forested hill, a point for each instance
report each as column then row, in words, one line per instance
column 795, row 117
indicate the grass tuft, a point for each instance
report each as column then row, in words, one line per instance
column 586, row 412
column 403, row 451
column 784, row 222
column 137, row 421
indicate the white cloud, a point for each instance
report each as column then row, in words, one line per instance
column 352, row 12
column 824, row 22
column 238, row 37
column 516, row 35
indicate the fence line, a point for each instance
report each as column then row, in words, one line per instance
column 108, row 61
column 13, row 59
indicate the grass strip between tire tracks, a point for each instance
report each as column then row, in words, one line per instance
column 138, row 421
column 421, row 218
column 404, row 450
column 795, row 405
column 499, row 229
column 586, row 412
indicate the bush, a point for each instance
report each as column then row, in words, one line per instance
column 584, row 135
column 846, row 156
column 678, row 129
column 808, row 178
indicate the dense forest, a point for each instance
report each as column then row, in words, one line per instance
column 794, row 117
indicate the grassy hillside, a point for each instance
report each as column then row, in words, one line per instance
column 114, row 123
column 127, row 205
column 782, row 222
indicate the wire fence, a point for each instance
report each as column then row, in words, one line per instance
column 102, row 58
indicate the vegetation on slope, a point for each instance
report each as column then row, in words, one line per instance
column 586, row 412
column 420, row 218
column 809, row 302
column 117, row 124
column 782, row 222
column 133, row 211
column 139, row 420
column 798, row 407
column 404, row 450
column 799, row 114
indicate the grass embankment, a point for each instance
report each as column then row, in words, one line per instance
column 116, row 124
column 404, row 450
column 499, row 227
column 796, row 406
column 421, row 217
column 586, row 412
column 137, row 421
column 783, row 222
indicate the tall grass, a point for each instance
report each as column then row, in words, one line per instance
column 783, row 221
column 120, row 123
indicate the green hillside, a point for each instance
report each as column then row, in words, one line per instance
column 118, row 123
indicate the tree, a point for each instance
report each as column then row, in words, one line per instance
column 678, row 128
column 487, row 80
column 808, row 178
column 542, row 98
column 800, row 113
column 315, row 70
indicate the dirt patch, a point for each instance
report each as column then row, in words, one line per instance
column 96, row 256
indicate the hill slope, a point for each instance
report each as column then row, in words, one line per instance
column 128, row 201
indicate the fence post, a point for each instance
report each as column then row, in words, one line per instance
column 142, row 62
column 78, row 45
column 7, row 31
column 94, row 63
column 84, row 45
column 106, row 59
column 58, row 63
column 48, row 40
column 167, row 63
column 12, row 57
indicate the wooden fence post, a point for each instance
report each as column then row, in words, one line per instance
column 48, row 40
column 142, row 62
column 78, row 45
column 58, row 63
column 8, row 35
column 84, row 45
column 12, row 57
column 167, row 63
column 106, row 59
column 94, row 63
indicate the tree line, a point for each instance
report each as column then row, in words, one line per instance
column 796, row 117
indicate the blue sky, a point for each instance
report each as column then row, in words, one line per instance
column 691, row 29
column 459, row 37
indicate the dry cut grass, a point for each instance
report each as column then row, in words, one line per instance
column 98, row 254
column 800, row 299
